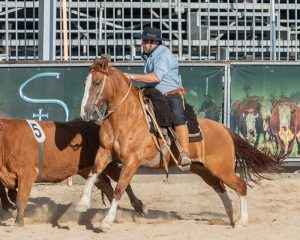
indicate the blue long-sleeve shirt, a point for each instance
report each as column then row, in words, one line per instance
column 165, row 65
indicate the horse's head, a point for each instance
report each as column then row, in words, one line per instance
column 103, row 85
column 94, row 98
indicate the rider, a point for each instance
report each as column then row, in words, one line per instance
column 161, row 72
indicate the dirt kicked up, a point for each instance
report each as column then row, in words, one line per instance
column 183, row 208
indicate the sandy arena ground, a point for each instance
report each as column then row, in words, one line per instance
column 184, row 208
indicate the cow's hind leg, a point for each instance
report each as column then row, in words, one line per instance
column 24, row 187
column 217, row 185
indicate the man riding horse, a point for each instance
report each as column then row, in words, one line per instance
column 161, row 72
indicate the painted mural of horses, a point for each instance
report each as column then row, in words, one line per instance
column 69, row 148
column 125, row 135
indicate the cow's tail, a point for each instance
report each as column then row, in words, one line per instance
column 253, row 163
column 5, row 177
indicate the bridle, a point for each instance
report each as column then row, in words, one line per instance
column 101, row 116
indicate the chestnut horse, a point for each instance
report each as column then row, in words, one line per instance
column 69, row 148
column 125, row 135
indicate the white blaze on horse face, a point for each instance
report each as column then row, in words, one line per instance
column 87, row 87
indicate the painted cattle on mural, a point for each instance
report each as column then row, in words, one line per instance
column 285, row 126
column 266, row 143
column 246, row 119
column 209, row 109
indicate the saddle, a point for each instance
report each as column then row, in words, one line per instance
column 157, row 104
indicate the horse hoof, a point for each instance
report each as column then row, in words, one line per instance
column 19, row 223
column 140, row 208
column 105, row 226
column 240, row 223
column 145, row 210
column 81, row 208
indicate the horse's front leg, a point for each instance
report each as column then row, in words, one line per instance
column 127, row 172
column 103, row 158
column 114, row 171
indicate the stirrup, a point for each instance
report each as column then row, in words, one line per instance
column 185, row 162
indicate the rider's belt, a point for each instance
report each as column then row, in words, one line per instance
column 181, row 91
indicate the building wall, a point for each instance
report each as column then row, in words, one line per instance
column 197, row 30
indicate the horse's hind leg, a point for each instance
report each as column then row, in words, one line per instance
column 217, row 185
column 12, row 194
column 240, row 187
column 5, row 203
column 85, row 200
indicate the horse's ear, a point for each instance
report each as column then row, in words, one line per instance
column 105, row 62
column 96, row 60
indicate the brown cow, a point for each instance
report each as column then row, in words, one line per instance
column 69, row 148
column 285, row 125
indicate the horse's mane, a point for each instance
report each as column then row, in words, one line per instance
column 102, row 65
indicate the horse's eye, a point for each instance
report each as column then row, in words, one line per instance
column 97, row 83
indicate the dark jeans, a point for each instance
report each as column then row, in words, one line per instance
column 176, row 104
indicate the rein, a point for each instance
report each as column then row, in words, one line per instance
column 147, row 111
column 100, row 115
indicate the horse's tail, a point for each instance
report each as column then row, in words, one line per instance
column 252, row 162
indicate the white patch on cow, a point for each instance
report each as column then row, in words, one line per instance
column 37, row 131
column 88, row 84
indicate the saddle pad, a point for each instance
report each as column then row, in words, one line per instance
column 163, row 114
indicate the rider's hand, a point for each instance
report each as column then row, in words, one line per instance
column 127, row 75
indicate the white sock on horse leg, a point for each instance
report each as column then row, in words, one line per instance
column 85, row 200
column 244, row 209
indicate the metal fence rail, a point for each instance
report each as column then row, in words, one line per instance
column 198, row 30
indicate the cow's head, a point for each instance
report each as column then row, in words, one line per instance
column 286, row 115
column 251, row 126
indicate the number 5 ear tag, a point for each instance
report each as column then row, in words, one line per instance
column 37, row 131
